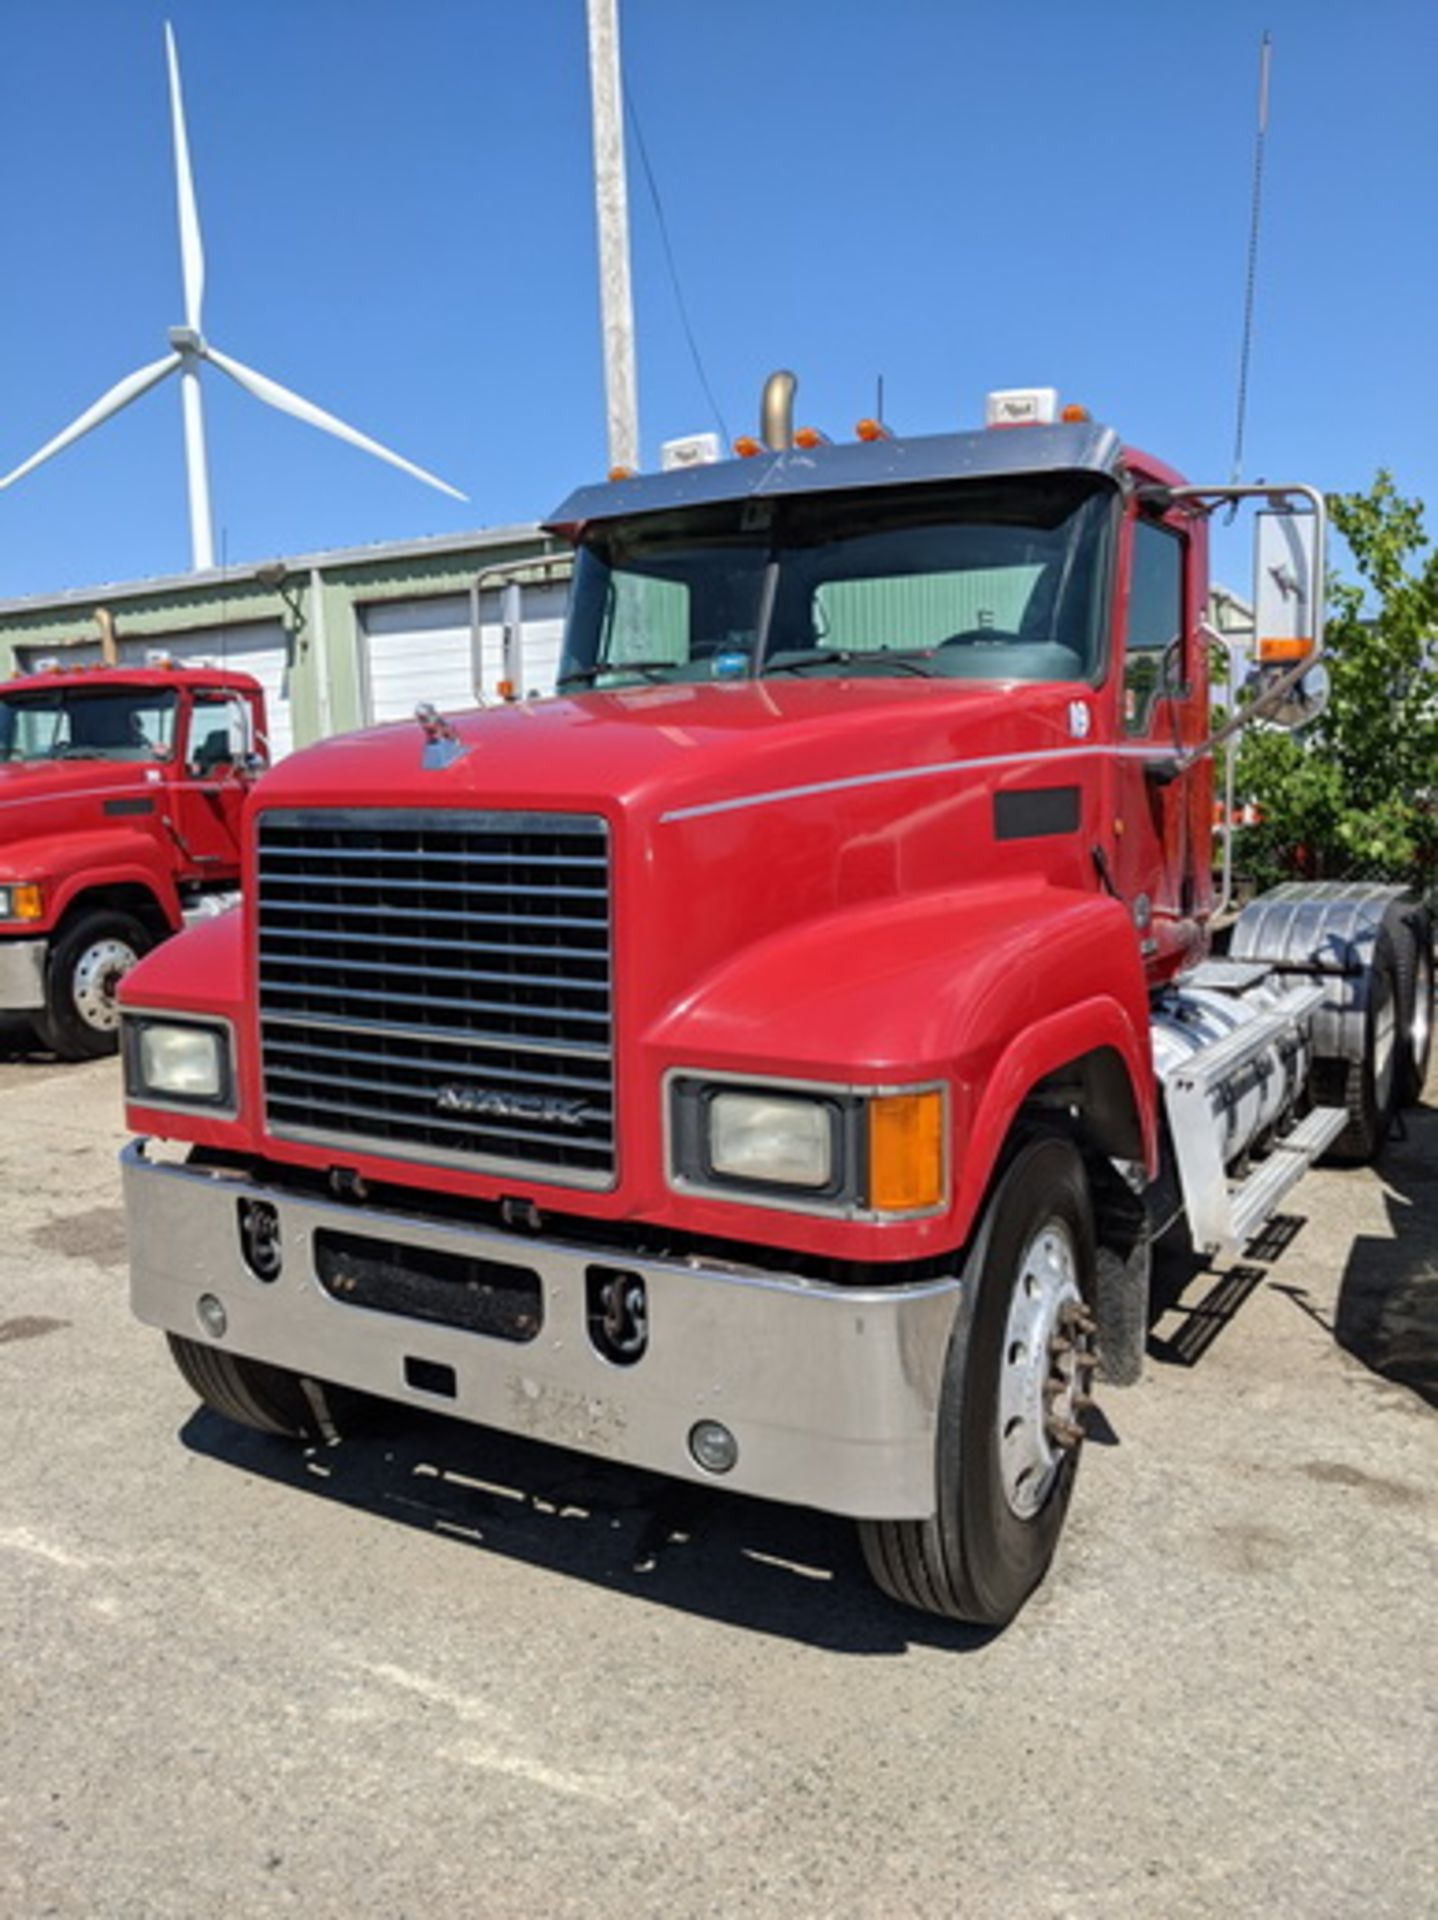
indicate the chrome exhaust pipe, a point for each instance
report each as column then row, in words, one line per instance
column 776, row 412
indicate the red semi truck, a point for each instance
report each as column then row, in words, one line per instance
column 771, row 1060
column 121, row 793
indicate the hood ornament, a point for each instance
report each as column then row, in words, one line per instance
column 442, row 745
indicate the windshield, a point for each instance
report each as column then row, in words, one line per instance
column 983, row 581
column 88, row 723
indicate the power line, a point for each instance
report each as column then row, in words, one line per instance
column 670, row 261
column 1251, row 279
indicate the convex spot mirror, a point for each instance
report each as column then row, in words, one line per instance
column 1300, row 705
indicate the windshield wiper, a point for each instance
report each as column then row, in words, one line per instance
column 908, row 658
column 647, row 669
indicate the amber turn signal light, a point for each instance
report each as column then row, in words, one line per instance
column 906, row 1151
column 1274, row 648
column 27, row 902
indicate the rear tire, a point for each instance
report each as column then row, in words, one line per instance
column 87, row 961
column 1002, row 1481
column 266, row 1398
column 1415, row 1003
column 1368, row 1087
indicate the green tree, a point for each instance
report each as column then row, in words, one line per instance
column 1356, row 793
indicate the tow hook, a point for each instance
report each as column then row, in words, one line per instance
column 618, row 1313
column 260, row 1238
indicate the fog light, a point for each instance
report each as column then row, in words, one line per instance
column 211, row 1315
column 713, row 1446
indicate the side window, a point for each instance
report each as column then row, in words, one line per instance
column 219, row 733
column 1153, row 655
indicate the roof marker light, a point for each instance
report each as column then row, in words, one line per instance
column 1075, row 416
column 810, row 437
column 621, row 473
column 871, row 430
column 746, row 447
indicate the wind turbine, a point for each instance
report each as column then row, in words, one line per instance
column 188, row 347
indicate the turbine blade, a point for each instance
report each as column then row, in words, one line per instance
column 274, row 395
column 120, row 395
column 192, row 252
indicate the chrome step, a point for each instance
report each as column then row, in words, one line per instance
column 1254, row 1201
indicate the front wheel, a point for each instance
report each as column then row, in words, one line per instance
column 88, row 960
column 1016, row 1383
column 255, row 1394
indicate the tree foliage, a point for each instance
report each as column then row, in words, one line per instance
column 1356, row 793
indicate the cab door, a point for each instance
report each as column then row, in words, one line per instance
column 211, row 781
column 1161, row 829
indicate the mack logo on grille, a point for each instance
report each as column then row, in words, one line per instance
column 488, row 1105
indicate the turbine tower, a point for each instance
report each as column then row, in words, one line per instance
column 188, row 347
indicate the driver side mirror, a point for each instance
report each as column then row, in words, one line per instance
column 1287, row 615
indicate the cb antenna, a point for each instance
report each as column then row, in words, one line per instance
column 1264, row 53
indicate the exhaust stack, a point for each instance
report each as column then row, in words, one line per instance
column 776, row 412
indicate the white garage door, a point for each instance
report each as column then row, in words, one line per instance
column 417, row 650
column 258, row 647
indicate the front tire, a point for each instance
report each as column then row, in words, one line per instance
column 1016, row 1382
column 88, row 960
column 266, row 1398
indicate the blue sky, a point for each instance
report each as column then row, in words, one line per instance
column 398, row 218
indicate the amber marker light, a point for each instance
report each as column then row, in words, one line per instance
column 746, row 448
column 871, row 430
column 1277, row 648
column 27, row 902
column 621, row 473
column 1075, row 416
column 810, row 437
column 906, row 1151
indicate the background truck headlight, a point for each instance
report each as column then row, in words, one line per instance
column 759, row 1136
column 21, row 900
column 173, row 1062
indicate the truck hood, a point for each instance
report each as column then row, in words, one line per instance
column 657, row 750
column 52, row 796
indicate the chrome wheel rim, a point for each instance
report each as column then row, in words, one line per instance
column 1045, row 1370
column 98, row 973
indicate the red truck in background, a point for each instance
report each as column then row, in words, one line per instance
column 121, row 792
column 772, row 1060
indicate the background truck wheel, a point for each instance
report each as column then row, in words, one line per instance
column 1368, row 1087
column 1016, row 1381
column 1415, row 1006
column 255, row 1394
column 88, row 960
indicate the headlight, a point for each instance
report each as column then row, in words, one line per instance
column 864, row 1153
column 21, row 900
column 754, row 1136
column 177, row 1063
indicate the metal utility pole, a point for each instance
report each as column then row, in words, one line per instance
column 616, row 299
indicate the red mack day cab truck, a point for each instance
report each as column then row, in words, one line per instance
column 121, row 794
column 771, row 1060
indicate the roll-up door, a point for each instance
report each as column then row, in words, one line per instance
column 424, row 650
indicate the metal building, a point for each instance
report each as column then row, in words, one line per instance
column 339, row 640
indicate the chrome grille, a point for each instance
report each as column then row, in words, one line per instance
column 436, row 986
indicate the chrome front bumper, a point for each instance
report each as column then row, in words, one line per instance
column 22, row 975
column 831, row 1392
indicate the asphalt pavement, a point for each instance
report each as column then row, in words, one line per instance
column 439, row 1671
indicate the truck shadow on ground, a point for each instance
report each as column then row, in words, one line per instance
column 1386, row 1311
column 1386, row 1314
column 728, row 1558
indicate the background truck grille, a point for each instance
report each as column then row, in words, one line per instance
column 436, row 986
